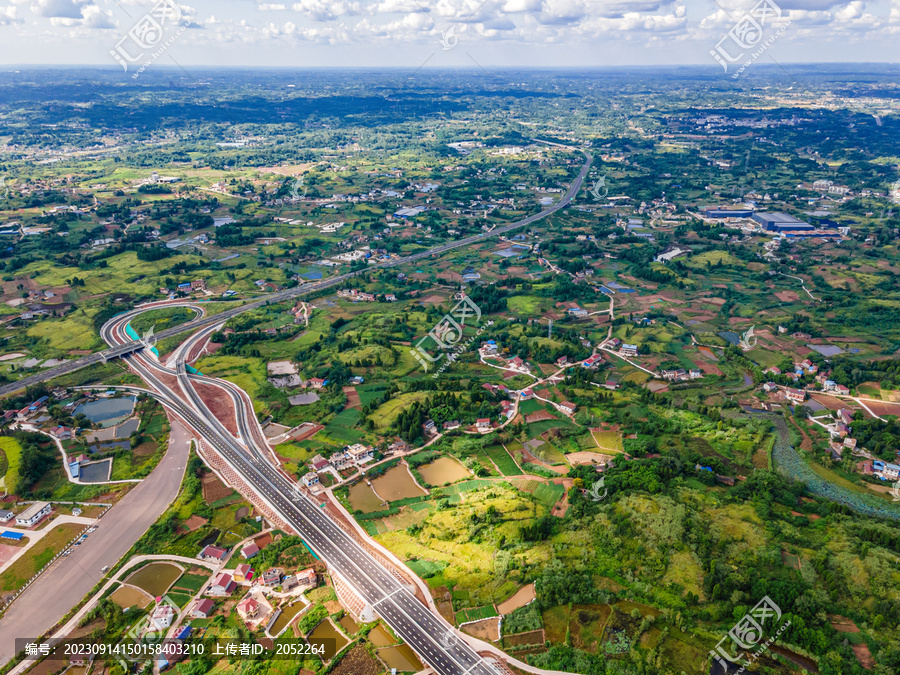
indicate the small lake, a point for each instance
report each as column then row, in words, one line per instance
column 401, row 657
column 397, row 483
column 107, row 410
column 443, row 470
column 326, row 634
column 155, row 578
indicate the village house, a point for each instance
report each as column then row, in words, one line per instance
column 592, row 361
column 568, row 407
column 311, row 478
column 248, row 608
column 360, row 453
column 249, row 550
column 213, row 553
column 162, row 616
column 399, row 446
column 243, row 572
column 319, row 463
column 272, row 577
column 483, row 423
column 221, row 586
column 795, row 395
column 628, row 350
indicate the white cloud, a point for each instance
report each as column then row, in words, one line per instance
column 267, row 7
column 59, row 9
column 8, row 16
column 323, row 10
column 94, row 17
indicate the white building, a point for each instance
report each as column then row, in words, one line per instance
column 33, row 514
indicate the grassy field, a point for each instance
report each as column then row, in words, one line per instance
column 609, row 440
column 502, row 459
column 38, row 555
column 13, row 451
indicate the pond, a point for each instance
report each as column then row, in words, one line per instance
column 349, row 625
column 381, row 637
column 397, row 483
column 401, row 657
column 443, row 470
column 124, row 430
column 284, row 619
column 326, row 634
column 109, row 447
column 108, row 410
column 125, row 597
column 362, row 498
column 155, row 578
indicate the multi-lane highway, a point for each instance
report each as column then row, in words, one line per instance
column 430, row 636
column 306, row 289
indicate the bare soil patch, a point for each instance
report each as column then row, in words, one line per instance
column 788, row 296
column 219, row 404
column 539, row 416
column 213, row 488
column 352, row 398
column 357, row 662
column 864, row 656
column 486, row 629
column 194, row 523
column 519, row 599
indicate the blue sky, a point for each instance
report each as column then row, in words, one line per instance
column 446, row 33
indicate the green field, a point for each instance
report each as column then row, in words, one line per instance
column 475, row 613
column 13, row 452
column 502, row 459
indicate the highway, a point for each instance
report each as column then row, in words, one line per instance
column 410, row 618
column 122, row 349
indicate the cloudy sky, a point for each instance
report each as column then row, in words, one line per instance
column 446, row 33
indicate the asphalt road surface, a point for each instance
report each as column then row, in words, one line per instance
column 66, row 584
column 305, row 289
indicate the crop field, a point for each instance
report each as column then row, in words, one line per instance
column 475, row 613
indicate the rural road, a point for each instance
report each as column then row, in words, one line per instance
column 67, row 583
